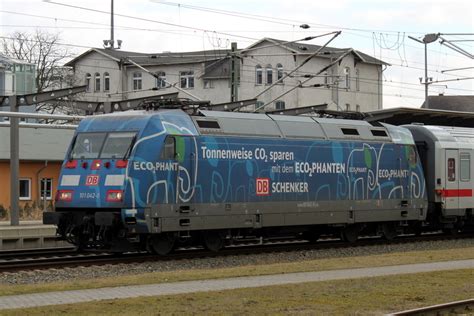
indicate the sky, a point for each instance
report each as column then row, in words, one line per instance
column 378, row 28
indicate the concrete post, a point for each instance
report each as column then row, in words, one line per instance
column 14, row 164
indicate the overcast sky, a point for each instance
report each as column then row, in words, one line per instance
column 378, row 28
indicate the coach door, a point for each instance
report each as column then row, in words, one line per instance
column 465, row 181
column 451, row 188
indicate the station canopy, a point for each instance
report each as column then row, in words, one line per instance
column 400, row 116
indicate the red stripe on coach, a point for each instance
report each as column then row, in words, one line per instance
column 456, row 193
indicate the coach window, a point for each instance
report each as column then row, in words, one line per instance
column 465, row 167
column 169, row 149
column 451, row 170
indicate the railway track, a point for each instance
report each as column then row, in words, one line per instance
column 26, row 261
column 465, row 307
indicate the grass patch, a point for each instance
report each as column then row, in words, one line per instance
column 250, row 270
column 368, row 296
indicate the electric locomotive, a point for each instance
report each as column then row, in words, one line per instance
column 152, row 179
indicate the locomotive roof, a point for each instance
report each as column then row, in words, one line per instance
column 253, row 125
column 269, row 125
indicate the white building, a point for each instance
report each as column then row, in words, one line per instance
column 352, row 84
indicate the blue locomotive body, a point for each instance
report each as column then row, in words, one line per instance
column 147, row 180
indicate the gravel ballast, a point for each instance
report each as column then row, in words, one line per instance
column 93, row 272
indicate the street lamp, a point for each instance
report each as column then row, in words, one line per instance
column 428, row 38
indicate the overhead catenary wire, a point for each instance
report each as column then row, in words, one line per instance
column 385, row 38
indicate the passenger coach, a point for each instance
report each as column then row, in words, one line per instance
column 446, row 155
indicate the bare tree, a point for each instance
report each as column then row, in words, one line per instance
column 45, row 51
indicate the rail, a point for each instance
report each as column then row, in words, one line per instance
column 465, row 307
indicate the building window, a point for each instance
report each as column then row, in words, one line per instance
column 186, row 79
column 208, row 84
column 280, row 105
column 106, row 81
column 357, row 108
column 357, row 80
column 259, row 104
column 347, row 78
column 88, row 82
column 279, row 71
column 97, row 82
column 137, row 81
column 160, row 80
column 348, row 107
column 25, row 189
column 46, row 188
column 268, row 74
column 258, row 75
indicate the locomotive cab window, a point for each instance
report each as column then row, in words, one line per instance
column 87, row 145
column 118, row 145
column 465, row 167
column 451, row 170
column 169, row 149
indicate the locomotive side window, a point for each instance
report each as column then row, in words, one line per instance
column 349, row 131
column 451, row 170
column 379, row 133
column 169, row 149
column 412, row 155
column 465, row 167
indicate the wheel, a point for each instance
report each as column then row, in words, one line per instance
column 213, row 240
column 312, row 236
column 350, row 233
column 162, row 244
column 453, row 231
column 389, row 231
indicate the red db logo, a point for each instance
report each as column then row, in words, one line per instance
column 92, row 180
column 263, row 186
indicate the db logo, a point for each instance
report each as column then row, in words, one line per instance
column 263, row 186
column 92, row 180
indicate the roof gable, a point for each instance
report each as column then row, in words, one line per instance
column 308, row 49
